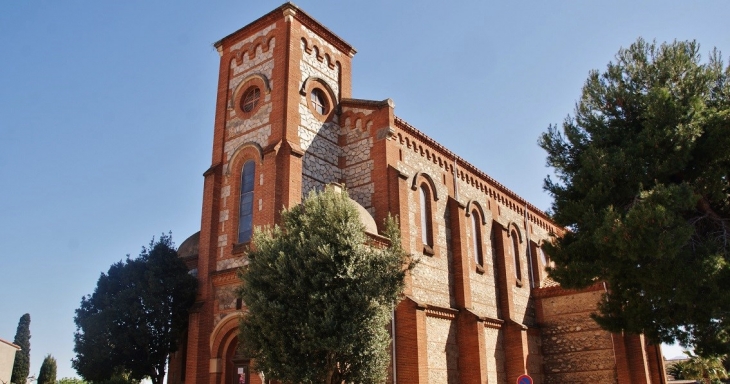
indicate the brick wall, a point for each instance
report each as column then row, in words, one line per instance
column 463, row 321
column 575, row 349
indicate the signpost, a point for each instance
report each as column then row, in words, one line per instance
column 524, row 379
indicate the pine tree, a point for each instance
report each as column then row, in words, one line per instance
column 21, row 367
column 47, row 375
column 643, row 174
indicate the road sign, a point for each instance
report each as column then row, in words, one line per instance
column 524, row 379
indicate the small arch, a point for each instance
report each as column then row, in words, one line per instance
column 473, row 204
column 516, row 254
column 305, row 45
column 307, row 84
column 427, row 177
column 222, row 330
column 248, row 79
column 241, row 148
column 516, row 229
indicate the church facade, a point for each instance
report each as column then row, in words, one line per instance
column 478, row 308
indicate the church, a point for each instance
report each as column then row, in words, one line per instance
column 478, row 308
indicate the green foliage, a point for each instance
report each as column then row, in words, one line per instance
column 135, row 317
column 119, row 377
column 21, row 366
column 709, row 370
column 71, row 380
column 47, row 374
column 319, row 295
column 678, row 370
column 643, row 188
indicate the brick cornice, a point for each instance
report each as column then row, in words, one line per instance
column 289, row 9
column 489, row 322
column 366, row 104
column 448, row 154
column 434, row 310
column 441, row 312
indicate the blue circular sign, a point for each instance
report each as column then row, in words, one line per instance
column 524, row 379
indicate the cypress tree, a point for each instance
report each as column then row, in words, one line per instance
column 47, row 374
column 21, row 368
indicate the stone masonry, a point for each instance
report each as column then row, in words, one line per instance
column 478, row 308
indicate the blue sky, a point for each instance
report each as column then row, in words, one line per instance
column 106, row 113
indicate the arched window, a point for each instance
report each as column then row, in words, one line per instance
column 516, row 254
column 426, row 225
column 476, row 234
column 319, row 101
column 245, row 208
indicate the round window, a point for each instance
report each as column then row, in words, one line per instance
column 319, row 101
column 250, row 99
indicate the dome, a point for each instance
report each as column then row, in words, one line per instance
column 189, row 247
column 365, row 218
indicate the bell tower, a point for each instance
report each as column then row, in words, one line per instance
column 276, row 137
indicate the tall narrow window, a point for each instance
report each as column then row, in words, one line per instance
column 426, row 230
column 245, row 210
column 476, row 235
column 516, row 254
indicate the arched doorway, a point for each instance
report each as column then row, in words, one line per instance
column 238, row 366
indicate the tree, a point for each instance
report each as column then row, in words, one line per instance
column 71, row 380
column 47, row 375
column 21, row 366
column 643, row 183
column 319, row 295
column 135, row 317
column 708, row 370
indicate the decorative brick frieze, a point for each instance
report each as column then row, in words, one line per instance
column 413, row 139
column 258, row 37
column 466, row 318
column 316, row 63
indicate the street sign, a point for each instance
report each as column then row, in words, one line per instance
column 524, row 379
